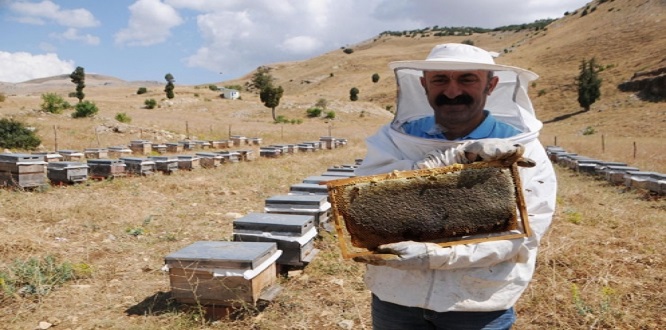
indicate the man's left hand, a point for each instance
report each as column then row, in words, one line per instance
column 402, row 255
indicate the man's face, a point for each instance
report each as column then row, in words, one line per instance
column 458, row 97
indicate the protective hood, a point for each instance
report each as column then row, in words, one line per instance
column 509, row 101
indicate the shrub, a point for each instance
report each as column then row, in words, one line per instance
column 589, row 130
column 321, row 103
column 54, row 103
column 542, row 92
column 142, row 90
column 150, row 103
column 14, row 134
column 468, row 42
column 123, row 118
column 375, row 77
column 330, row 115
column 213, row 88
column 85, row 109
column 36, row 276
column 281, row 120
column 313, row 112
column 348, row 50
column 353, row 94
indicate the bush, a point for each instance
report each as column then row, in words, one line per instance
column 213, row 88
column 330, row 115
column 123, row 118
column 54, row 103
column 313, row 112
column 375, row 77
column 142, row 90
column 36, row 276
column 281, row 120
column 348, row 50
column 150, row 103
column 589, row 130
column 14, row 135
column 85, row 109
column 353, row 94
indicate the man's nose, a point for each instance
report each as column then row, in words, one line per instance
column 452, row 90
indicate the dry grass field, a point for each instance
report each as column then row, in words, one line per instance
column 600, row 266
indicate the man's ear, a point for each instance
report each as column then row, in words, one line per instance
column 491, row 85
column 423, row 81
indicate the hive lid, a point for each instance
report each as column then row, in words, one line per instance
column 65, row 165
column 222, row 254
column 14, row 158
column 305, row 200
column 105, row 162
column 319, row 179
column 274, row 223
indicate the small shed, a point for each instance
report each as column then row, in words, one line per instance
column 229, row 93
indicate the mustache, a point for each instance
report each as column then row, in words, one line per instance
column 460, row 99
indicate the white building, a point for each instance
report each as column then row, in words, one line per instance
column 229, row 93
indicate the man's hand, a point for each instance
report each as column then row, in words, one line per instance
column 486, row 150
column 402, row 255
column 493, row 150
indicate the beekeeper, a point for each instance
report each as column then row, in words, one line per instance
column 458, row 106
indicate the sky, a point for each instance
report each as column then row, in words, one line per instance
column 208, row 41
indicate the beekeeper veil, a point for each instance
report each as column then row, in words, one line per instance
column 391, row 149
column 508, row 102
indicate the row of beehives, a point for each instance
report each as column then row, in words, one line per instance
column 245, row 270
column 68, row 166
column 614, row 172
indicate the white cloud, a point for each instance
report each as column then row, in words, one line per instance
column 21, row 66
column 300, row 45
column 47, row 11
column 73, row 34
column 150, row 23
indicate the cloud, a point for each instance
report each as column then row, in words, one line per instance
column 300, row 45
column 73, row 34
column 150, row 23
column 47, row 11
column 21, row 66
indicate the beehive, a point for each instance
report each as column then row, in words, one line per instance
column 315, row 205
column 293, row 234
column 165, row 164
column 141, row 147
column 188, row 162
column 22, row 170
column 96, row 153
column 446, row 204
column 209, row 159
column 106, row 168
column 139, row 166
column 222, row 273
column 67, row 172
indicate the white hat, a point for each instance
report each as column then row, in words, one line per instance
column 459, row 57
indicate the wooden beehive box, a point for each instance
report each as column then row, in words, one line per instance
column 188, row 145
column 96, row 153
column 174, row 148
column 67, row 172
column 119, row 151
column 141, row 147
column 245, row 154
column 222, row 273
column 315, row 205
column 22, row 170
column 457, row 204
column 238, row 140
column 270, row 152
column 188, row 162
column 328, row 142
column 209, row 159
column 293, row 234
column 71, row 155
column 49, row 156
column 106, row 168
column 139, row 166
column 165, row 164
column 160, row 148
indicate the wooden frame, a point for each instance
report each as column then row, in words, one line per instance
column 335, row 188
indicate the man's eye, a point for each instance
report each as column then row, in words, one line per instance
column 468, row 81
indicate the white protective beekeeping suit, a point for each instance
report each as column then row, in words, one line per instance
column 487, row 276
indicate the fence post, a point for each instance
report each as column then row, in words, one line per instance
column 634, row 149
column 603, row 143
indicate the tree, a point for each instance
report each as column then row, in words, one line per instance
column 14, row 134
column 262, row 78
column 79, row 77
column 589, row 83
column 169, row 86
column 353, row 94
column 375, row 77
column 271, row 96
